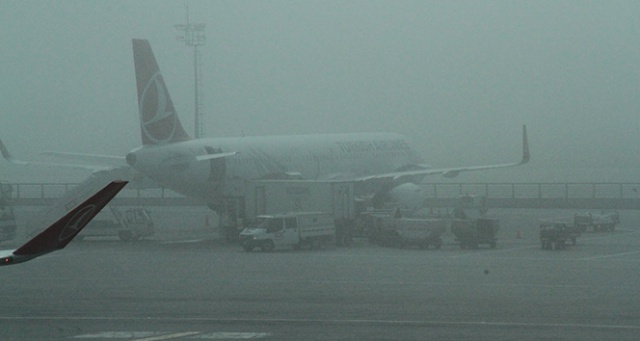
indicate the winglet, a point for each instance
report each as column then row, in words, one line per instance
column 60, row 233
column 5, row 151
column 6, row 155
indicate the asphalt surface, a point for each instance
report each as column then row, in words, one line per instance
column 184, row 286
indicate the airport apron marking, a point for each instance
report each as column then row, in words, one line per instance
column 156, row 336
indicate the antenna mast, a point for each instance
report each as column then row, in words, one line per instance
column 193, row 36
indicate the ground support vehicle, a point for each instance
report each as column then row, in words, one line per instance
column 253, row 199
column 401, row 232
column 606, row 221
column 472, row 232
column 132, row 224
column 293, row 230
column 555, row 235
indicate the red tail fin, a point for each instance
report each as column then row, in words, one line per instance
column 159, row 122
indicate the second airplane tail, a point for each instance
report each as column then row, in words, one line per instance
column 159, row 121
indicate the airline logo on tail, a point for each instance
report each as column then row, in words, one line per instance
column 77, row 222
column 60, row 233
column 159, row 122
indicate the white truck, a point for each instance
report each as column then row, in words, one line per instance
column 258, row 198
column 294, row 230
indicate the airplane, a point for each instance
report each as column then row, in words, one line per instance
column 60, row 233
column 211, row 169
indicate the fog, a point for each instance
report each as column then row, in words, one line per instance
column 459, row 78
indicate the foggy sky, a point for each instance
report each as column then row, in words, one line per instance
column 459, row 78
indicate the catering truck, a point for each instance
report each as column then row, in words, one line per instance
column 292, row 230
column 255, row 199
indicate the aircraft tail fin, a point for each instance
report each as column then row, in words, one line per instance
column 159, row 123
column 60, row 233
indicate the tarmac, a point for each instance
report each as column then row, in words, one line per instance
column 185, row 283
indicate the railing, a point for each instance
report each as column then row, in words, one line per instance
column 568, row 191
column 508, row 195
column 627, row 190
column 56, row 190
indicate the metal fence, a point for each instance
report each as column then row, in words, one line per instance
column 56, row 190
column 627, row 190
column 567, row 191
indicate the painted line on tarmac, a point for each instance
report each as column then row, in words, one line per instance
column 611, row 255
column 604, row 235
column 157, row 336
column 116, row 335
column 417, row 323
column 232, row 336
column 167, row 336
column 494, row 251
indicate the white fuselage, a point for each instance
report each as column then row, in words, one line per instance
column 305, row 157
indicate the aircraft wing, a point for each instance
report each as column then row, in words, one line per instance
column 114, row 161
column 61, row 232
column 453, row 172
column 116, row 165
column 7, row 156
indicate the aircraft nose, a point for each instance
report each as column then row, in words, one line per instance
column 131, row 159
